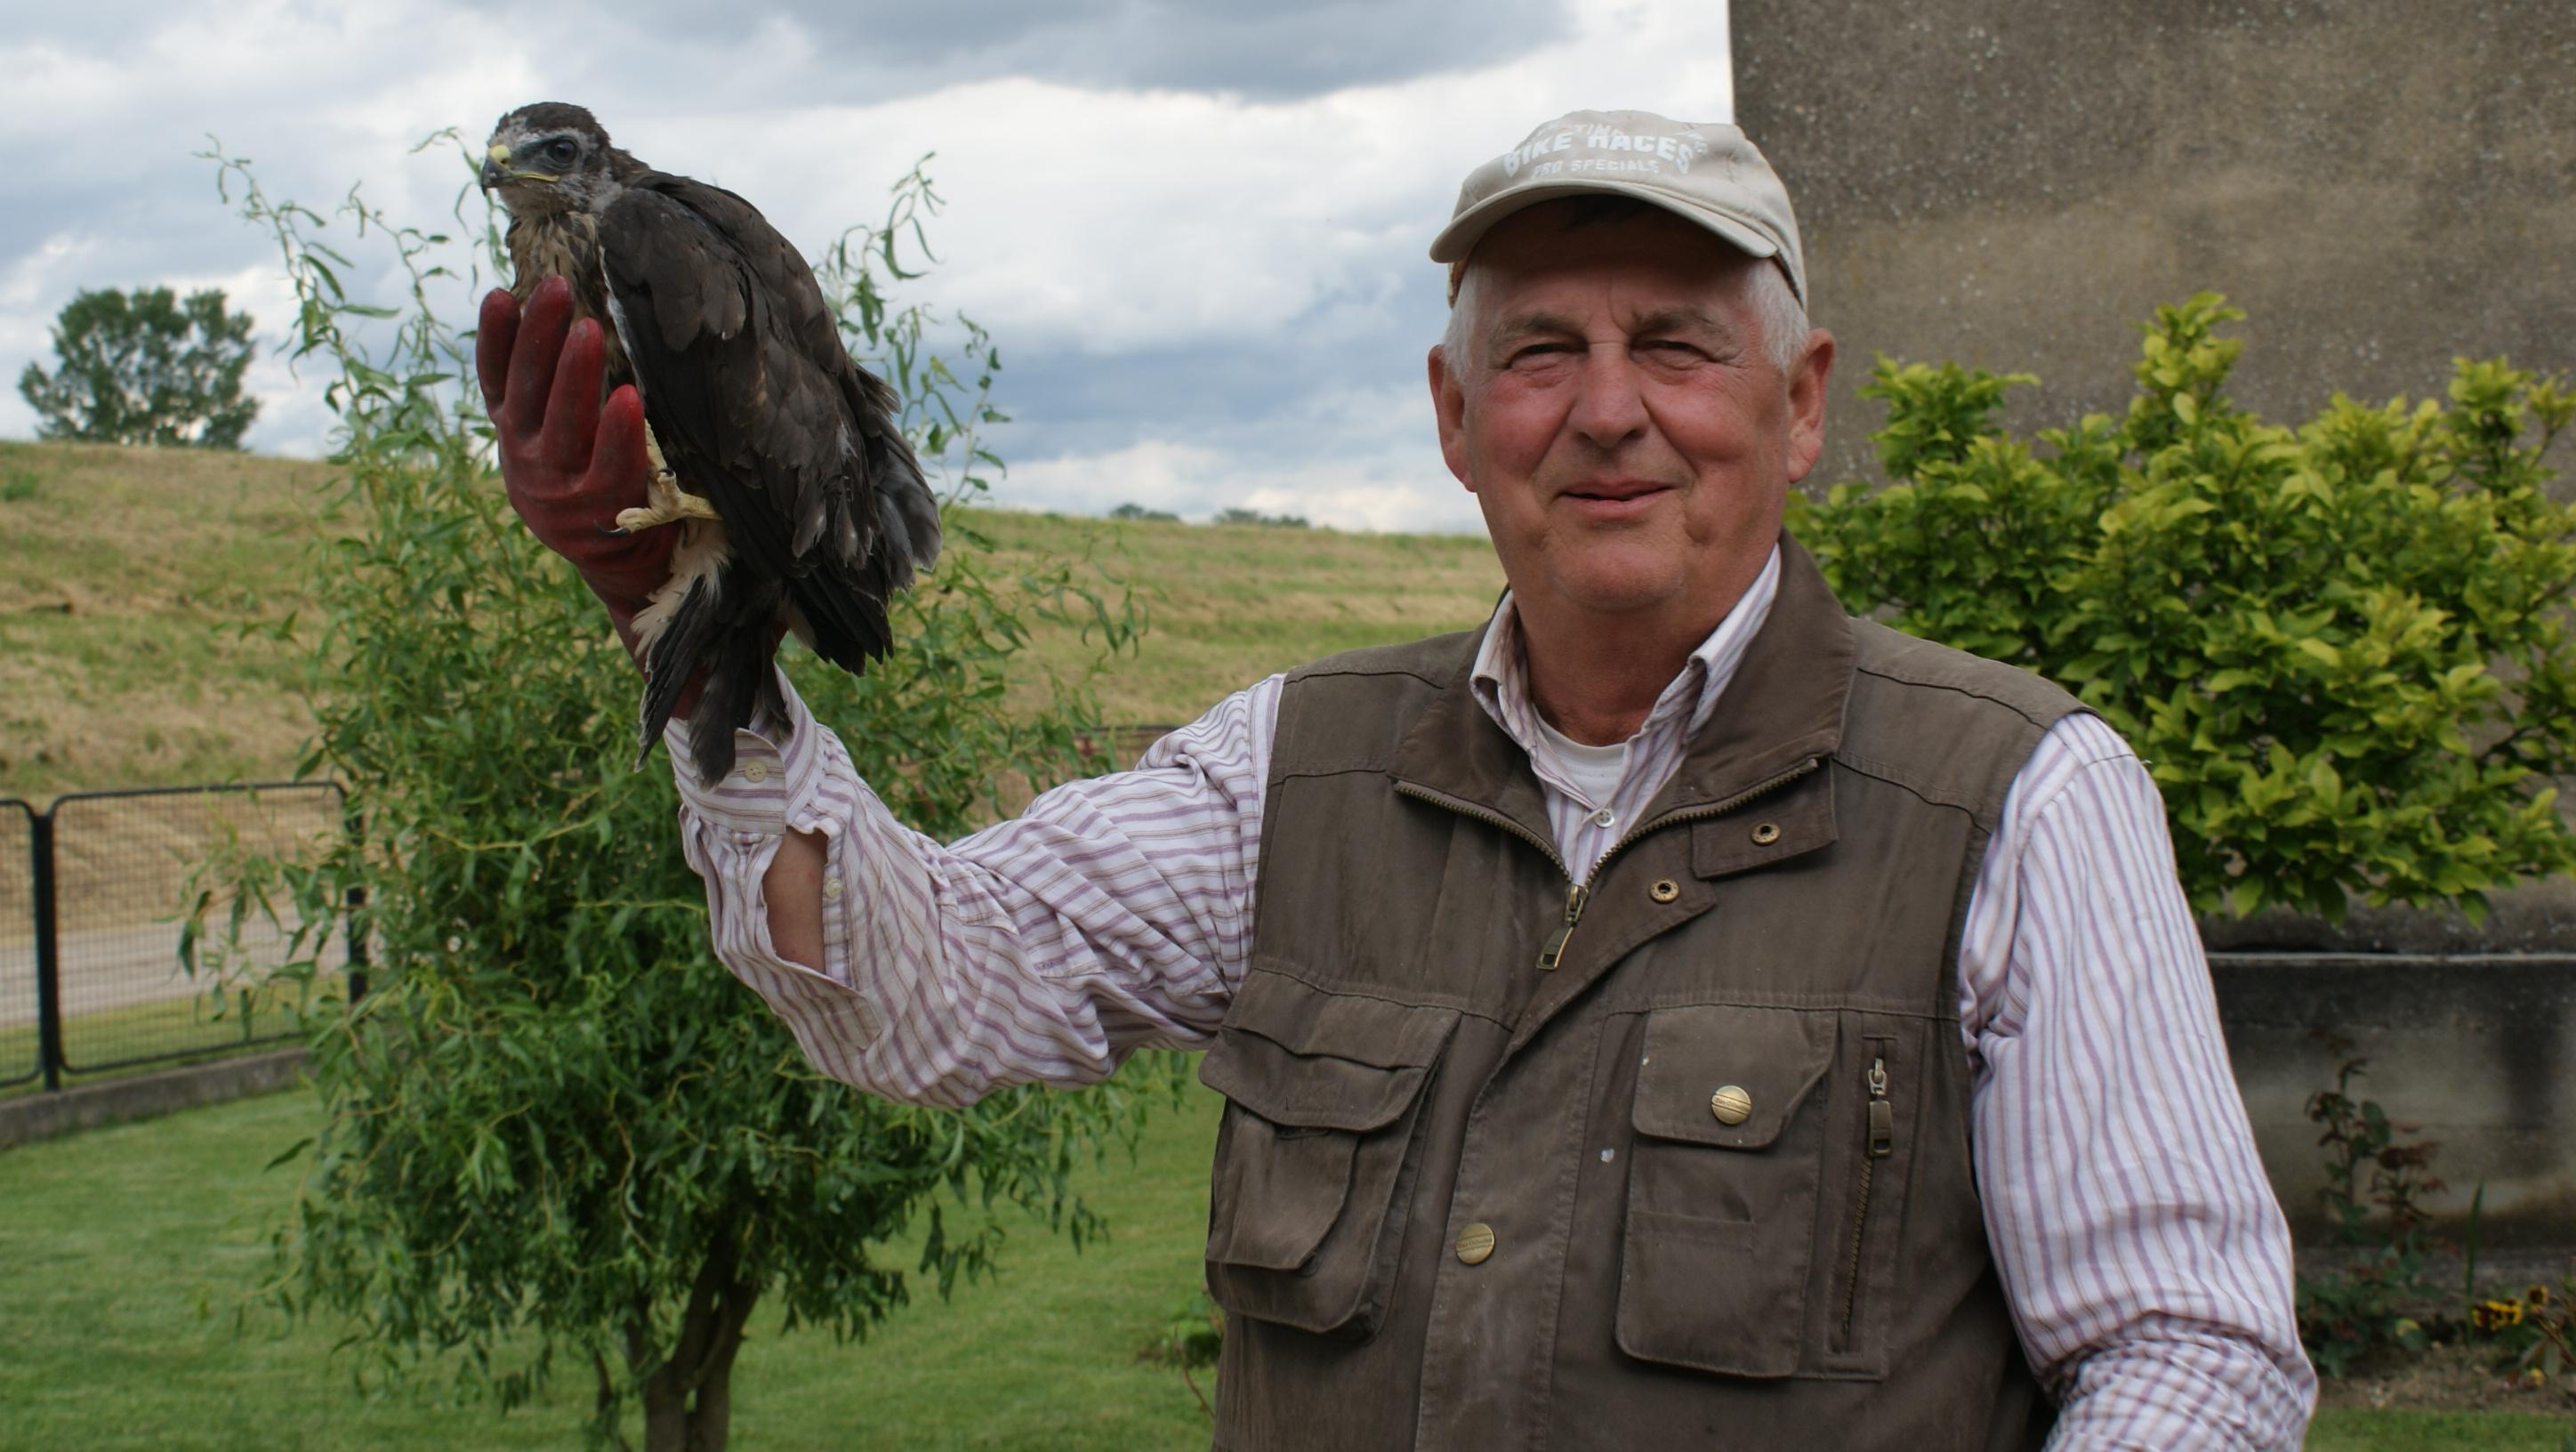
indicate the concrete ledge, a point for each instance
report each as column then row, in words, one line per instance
column 43, row 1116
column 2476, row 1052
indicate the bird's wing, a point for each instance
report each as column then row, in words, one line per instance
column 758, row 407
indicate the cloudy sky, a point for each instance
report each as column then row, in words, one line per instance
column 1196, row 230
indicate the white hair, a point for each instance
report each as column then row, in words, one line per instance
column 1767, row 294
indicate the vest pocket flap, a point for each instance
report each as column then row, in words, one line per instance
column 1324, row 1096
column 1307, row 1091
column 1709, row 1064
column 1304, row 1019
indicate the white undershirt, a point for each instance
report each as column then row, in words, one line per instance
column 1594, row 771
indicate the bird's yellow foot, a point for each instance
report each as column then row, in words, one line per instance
column 665, row 503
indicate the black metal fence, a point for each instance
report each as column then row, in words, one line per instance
column 94, row 901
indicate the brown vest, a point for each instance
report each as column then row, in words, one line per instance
column 1704, row 1182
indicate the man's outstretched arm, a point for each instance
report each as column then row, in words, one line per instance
column 1114, row 912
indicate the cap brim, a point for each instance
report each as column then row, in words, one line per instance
column 1470, row 226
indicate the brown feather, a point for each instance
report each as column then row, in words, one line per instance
column 756, row 404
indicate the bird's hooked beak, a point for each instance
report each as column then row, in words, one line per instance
column 496, row 169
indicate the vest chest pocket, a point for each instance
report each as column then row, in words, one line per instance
column 1318, row 1151
column 1723, row 1182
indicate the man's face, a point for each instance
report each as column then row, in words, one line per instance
column 1618, row 417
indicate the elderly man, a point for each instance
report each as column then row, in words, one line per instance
column 1675, row 1013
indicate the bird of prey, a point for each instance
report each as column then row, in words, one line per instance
column 776, row 456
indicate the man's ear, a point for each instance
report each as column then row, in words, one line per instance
column 1449, row 407
column 1807, row 379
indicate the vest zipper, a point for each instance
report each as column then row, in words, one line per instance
column 1553, row 951
column 1577, row 894
column 1711, row 809
column 1467, row 808
column 1882, row 1143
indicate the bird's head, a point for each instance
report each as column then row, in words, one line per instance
column 551, row 157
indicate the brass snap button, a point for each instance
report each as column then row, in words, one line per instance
column 1665, row 890
column 1731, row 1104
column 1765, row 833
column 1475, row 1243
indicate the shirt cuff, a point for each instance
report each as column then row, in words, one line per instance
column 777, row 761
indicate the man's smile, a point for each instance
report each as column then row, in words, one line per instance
column 1614, row 498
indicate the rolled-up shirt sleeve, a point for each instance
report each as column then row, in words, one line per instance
column 2144, row 1254
column 1114, row 913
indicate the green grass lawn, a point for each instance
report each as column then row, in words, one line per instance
column 129, row 1249
column 2351, row 1431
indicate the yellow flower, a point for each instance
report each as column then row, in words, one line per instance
column 2537, row 1297
column 2495, row 1315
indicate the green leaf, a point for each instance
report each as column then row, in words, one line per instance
column 2410, row 555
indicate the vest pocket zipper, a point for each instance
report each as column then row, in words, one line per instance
column 1552, row 952
column 1882, row 1143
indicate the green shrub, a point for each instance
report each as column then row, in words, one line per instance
column 558, row 1133
column 2340, row 647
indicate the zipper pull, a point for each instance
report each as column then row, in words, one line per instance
column 1552, row 952
column 1882, row 1115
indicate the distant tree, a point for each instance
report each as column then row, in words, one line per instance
column 1240, row 515
column 1133, row 510
column 145, row 368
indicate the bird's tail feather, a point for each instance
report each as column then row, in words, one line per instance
column 742, row 680
column 667, row 663
column 907, row 518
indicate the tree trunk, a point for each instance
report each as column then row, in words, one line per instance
column 688, row 1396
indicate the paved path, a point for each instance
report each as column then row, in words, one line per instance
column 112, row 968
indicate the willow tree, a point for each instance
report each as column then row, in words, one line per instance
column 556, row 1133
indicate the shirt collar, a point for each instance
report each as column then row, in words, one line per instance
column 1500, row 678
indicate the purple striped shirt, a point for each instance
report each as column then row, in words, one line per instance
column 2145, row 1258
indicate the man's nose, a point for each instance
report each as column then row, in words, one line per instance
column 1609, row 409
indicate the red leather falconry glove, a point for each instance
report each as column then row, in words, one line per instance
column 570, row 460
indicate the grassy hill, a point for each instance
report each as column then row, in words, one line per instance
column 126, row 574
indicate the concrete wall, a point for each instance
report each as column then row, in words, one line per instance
column 2381, row 184
column 2476, row 1053
column 36, row 1115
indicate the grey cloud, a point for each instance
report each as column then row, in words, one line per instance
column 113, row 167
column 1261, row 50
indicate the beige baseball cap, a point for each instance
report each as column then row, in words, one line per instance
column 1705, row 170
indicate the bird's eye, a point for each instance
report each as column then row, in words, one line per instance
column 561, row 149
